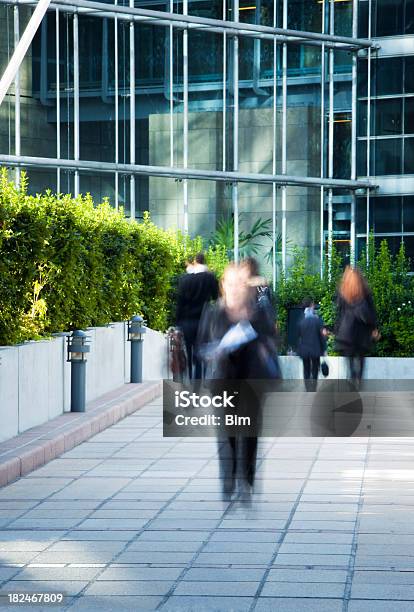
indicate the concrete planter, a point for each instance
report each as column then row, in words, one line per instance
column 35, row 376
column 379, row 368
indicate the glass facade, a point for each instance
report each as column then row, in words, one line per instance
column 386, row 122
column 200, row 111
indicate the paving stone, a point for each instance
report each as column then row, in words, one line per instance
column 380, row 606
column 317, row 549
column 89, row 603
column 144, row 546
column 224, row 574
column 285, row 604
column 129, row 587
column 58, row 574
column 233, row 558
column 382, row 577
column 333, row 537
column 383, row 591
column 176, row 535
column 307, row 575
column 310, row 589
column 311, row 560
column 68, row 587
column 208, row 604
column 155, row 557
column 240, row 547
column 125, row 573
column 234, row 589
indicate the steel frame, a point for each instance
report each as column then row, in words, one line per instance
column 230, row 30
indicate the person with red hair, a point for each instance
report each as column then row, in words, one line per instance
column 357, row 321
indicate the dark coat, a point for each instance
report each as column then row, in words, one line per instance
column 311, row 342
column 355, row 325
column 255, row 360
column 194, row 291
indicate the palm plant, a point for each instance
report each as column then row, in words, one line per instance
column 278, row 247
column 250, row 242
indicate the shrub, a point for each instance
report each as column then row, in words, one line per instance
column 391, row 285
column 66, row 264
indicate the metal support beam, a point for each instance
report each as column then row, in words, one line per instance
column 368, row 123
column 116, row 83
column 76, row 126
column 185, row 119
column 235, row 190
column 101, row 9
column 58, row 98
column 132, row 111
column 330, row 137
column 21, row 49
column 17, row 139
column 179, row 173
column 322, row 144
column 353, row 131
column 284, row 137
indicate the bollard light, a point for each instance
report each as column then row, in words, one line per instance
column 77, row 349
column 136, row 331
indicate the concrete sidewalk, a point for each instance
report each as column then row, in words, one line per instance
column 129, row 520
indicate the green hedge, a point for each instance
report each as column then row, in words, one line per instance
column 67, row 264
column 391, row 285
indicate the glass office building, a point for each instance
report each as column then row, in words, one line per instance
column 296, row 112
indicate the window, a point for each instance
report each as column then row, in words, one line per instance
column 362, row 157
column 408, row 213
column 409, row 156
column 388, row 76
column 386, row 156
column 390, row 17
column 409, row 17
column 388, row 117
column 409, row 74
column 409, row 249
column 386, row 214
column 361, row 215
column 409, row 116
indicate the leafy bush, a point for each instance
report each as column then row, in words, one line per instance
column 391, row 285
column 66, row 264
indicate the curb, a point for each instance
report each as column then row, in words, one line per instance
column 36, row 447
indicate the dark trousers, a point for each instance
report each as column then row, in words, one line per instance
column 237, row 457
column 356, row 367
column 190, row 329
column 311, row 367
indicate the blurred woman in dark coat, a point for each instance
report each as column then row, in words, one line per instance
column 357, row 321
column 233, row 342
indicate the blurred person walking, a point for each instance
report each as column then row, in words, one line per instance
column 195, row 288
column 311, row 345
column 356, row 326
column 233, row 335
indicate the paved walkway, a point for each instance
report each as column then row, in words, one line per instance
column 129, row 521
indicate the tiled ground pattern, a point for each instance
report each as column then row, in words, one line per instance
column 130, row 521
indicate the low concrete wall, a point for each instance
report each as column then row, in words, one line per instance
column 35, row 376
column 376, row 368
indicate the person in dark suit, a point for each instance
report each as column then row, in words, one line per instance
column 195, row 290
column 312, row 344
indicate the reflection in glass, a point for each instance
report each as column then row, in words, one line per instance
column 388, row 117
column 409, row 156
column 408, row 213
column 390, row 17
column 409, row 116
column 385, row 214
column 386, row 156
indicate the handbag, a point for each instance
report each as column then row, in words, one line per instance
column 324, row 368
